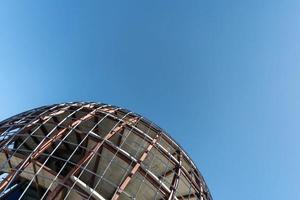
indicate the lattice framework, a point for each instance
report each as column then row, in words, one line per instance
column 93, row 151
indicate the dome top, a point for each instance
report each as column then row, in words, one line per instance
column 93, row 151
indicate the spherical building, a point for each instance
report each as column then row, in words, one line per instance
column 93, row 151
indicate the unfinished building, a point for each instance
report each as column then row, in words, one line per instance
column 93, row 151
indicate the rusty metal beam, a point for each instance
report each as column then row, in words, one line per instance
column 136, row 167
column 45, row 132
column 93, row 179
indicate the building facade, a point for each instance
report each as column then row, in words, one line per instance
column 93, row 151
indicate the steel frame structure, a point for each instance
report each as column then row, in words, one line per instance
column 93, row 151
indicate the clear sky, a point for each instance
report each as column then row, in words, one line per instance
column 222, row 77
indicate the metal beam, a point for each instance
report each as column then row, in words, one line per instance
column 175, row 180
column 86, row 188
column 136, row 167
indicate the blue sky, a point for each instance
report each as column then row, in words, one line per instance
column 222, row 77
